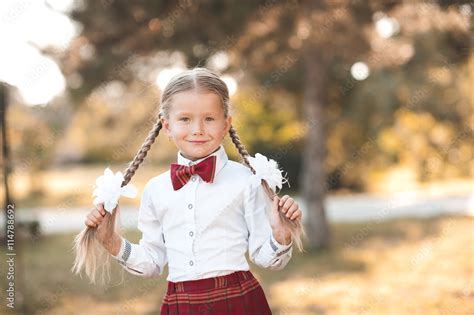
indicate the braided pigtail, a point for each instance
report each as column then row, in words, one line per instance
column 90, row 254
column 295, row 227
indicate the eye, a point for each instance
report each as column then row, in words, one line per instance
column 209, row 118
column 184, row 119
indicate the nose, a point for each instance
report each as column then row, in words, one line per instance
column 198, row 128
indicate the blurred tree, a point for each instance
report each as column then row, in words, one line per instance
column 300, row 48
column 6, row 161
column 416, row 102
column 11, row 239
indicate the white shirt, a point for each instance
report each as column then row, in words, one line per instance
column 203, row 229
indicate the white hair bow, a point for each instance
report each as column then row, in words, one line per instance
column 109, row 189
column 268, row 170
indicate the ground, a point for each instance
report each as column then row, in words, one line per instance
column 403, row 266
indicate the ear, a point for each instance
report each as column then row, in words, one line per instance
column 228, row 124
column 166, row 125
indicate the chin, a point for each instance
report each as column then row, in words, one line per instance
column 203, row 149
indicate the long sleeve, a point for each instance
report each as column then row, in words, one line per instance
column 148, row 257
column 264, row 250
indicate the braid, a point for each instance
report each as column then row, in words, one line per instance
column 240, row 147
column 90, row 254
column 140, row 156
column 296, row 228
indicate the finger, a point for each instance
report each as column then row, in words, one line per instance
column 96, row 213
column 89, row 223
column 92, row 218
column 291, row 210
column 101, row 209
column 276, row 200
column 288, row 203
column 283, row 199
column 296, row 215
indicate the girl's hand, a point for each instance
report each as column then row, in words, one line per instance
column 105, row 232
column 290, row 208
column 95, row 217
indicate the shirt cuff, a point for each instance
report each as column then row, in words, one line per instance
column 278, row 248
column 124, row 252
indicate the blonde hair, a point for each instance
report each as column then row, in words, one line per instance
column 88, row 252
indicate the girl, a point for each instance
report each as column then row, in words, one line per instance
column 202, row 215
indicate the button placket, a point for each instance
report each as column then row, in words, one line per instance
column 190, row 218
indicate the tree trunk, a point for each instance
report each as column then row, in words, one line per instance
column 313, row 177
column 5, row 152
column 19, row 280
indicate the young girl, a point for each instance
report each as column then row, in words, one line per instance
column 202, row 215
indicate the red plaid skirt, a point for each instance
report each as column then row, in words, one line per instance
column 238, row 293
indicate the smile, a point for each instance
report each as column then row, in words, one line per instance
column 198, row 142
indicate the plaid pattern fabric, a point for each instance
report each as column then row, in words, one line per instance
column 235, row 294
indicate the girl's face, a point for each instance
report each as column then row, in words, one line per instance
column 196, row 123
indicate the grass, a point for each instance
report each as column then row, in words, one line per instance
column 403, row 266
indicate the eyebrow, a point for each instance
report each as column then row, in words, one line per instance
column 189, row 113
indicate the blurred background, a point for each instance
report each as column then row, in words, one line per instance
column 366, row 104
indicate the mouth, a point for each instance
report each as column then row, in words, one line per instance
column 198, row 142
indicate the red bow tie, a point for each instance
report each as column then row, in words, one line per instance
column 180, row 174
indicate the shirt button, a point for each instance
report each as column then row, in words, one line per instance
column 190, row 206
column 191, row 263
column 191, row 233
column 193, row 178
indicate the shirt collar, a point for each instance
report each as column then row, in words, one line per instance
column 221, row 159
